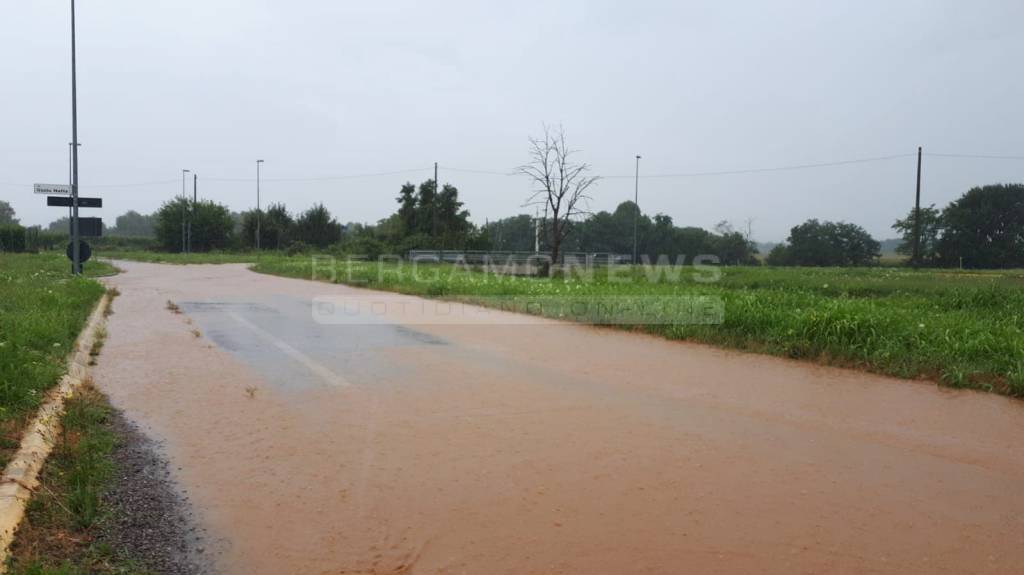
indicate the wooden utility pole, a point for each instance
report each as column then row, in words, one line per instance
column 917, row 215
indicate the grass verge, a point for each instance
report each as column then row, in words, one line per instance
column 963, row 329
column 42, row 310
column 177, row 258
column 58, row 534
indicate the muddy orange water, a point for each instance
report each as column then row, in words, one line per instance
column 493, row 447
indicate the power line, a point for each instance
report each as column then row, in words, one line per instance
column 975, row 156
column 312, row 179
column 721, row 172
column 507, row 173
column 324, row 178
column 773, row 169
column 132, row 185
column 490, row 172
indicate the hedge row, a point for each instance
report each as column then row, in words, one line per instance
column 12, row 238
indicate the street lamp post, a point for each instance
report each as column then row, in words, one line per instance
column 636, row 215
column 184, row 203
column 76, row 254
column 258, row 162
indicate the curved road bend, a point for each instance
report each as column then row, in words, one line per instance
column 540, row 447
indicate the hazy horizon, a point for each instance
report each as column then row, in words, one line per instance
column 320, row 89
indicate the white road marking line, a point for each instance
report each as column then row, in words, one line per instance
column 319, row 369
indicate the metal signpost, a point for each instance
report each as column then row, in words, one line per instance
column 78, row 251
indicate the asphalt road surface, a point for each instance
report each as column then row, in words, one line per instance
column 390, row 443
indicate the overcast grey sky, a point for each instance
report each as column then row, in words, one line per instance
column 321, row 88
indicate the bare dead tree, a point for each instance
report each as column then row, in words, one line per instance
column 561, row 185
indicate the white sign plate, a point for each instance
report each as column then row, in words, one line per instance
column 52, row 189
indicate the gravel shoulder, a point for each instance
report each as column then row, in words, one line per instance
column 151, row 519
column 107, row 503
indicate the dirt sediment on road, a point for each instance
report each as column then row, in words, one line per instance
column 545, row 448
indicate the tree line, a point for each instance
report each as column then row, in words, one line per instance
column 612, row 232
column 984, row 228
column 215, row 227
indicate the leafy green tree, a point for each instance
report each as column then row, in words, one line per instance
column 276, row 228
column 452, row 221
column 514, row 234
column 733, row 249
column 426, row 222
column 212, row 225
column 133, row 224
column 731, row 246
column 985, row 228
column 779, row 256
column 690, row 242
column 428, row 219
column 815, row 243
column 659, row 239
column 610, row 232
column 60, row 225
column 7, row 214
column 316, row 227
column 236, row 218
column 247, row 230
column 623, row 218
column 931, row 231
column 601, row 232
column 407, row 201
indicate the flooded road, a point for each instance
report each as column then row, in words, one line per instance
column 530, row 446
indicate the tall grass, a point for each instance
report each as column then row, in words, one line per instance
column 59, row 533
column 42, row 310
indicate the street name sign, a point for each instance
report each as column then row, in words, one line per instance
column 60, row 189
column 61, row 202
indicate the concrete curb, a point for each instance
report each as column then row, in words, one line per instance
column 20, row 478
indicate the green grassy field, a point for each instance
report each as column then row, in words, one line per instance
column 42, row 310
column 964, row 329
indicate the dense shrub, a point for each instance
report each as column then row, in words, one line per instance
column 815, row 243
column 12, row 238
